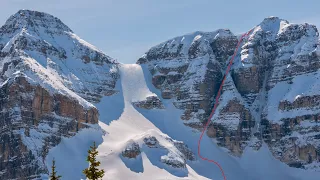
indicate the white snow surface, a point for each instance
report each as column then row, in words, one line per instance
column 129, row 124
column 302, row 85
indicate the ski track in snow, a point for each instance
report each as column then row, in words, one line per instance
column 132, row 123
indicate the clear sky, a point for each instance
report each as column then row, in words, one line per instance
column 125, row 29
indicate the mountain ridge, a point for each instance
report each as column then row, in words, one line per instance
column 59, row 92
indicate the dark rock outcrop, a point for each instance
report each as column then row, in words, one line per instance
column 28, row 111
column 131, row 151
column 151, row 102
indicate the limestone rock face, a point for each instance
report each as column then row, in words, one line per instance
column 28, row 111
column 132, row 150
column 271, row 94
column 156, row 145
column 151, row 142
column 151, row 102
column 186, row 152
column 186, row 70
column 49, row 78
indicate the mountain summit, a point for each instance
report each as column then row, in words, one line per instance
column 37, row 23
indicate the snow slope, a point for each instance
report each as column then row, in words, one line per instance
column 131, row 124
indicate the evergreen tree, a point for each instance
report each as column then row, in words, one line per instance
column 54, row 175
column 92, row 172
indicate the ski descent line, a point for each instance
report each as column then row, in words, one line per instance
column 216, row 104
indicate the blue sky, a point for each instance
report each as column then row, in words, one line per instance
column 125, row 29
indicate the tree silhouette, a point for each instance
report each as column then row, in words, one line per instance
column 54, row 175
column 92, row 172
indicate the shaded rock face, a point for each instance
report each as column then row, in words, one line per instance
column 176, row 155
column 248, row 81
column 294, row 141
column 151, row 102
column 234, row 138
column 29, row 111
column 271, row 94
column 131, row 151
column 173, row 162
column 183, row 148
column 48, row 78
column 223, row 48
column 35, row 99
column 186, row 70
column 300, row 102
column 151, row 142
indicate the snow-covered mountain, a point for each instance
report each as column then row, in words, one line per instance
column 60, row 93
column 270, row 97
column 49, row 80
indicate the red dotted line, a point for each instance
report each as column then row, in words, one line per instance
column 216, row 104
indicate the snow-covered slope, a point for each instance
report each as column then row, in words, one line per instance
column 148, row 136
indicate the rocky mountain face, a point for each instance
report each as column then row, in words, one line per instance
column 188, row 69
column 175, row 157
column 271, row 95
column 49, row 78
